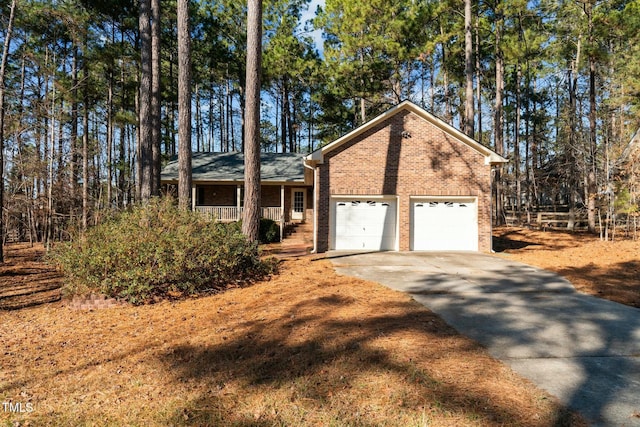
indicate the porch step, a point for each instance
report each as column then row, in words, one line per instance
column 298, row 240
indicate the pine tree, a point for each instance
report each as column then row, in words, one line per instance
column 184, row 106
column 251, row 216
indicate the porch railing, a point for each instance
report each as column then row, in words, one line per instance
column 220, row 213
column 274, row 214
column 233, row 213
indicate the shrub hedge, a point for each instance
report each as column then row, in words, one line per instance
column 155, row 250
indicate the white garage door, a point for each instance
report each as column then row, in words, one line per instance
column 364, row 224
column 444, row 225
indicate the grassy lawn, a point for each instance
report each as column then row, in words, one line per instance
column 305, row 348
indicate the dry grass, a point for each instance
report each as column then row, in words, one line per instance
column 305, row 348
column 605, row 269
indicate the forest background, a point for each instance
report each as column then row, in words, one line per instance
column 553, row 85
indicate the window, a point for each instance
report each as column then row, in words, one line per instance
column 200, row 196
column 298, row 201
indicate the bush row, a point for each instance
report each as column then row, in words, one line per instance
column 156, row 250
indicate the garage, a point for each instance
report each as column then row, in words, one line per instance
column 444, row 224
column 364, row 224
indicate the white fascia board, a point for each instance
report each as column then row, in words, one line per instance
column 491, row 157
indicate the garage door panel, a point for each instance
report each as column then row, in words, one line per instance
column 364, row 224
column 444, row 225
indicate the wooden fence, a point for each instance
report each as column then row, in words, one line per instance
column 544, row 220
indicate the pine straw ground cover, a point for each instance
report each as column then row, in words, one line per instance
column 25, row 280
column 306, row 348
column 606, row 269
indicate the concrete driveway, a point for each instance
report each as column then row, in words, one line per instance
column 582, row 349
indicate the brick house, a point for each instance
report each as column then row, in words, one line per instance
column 218, row 186
column 405, row 180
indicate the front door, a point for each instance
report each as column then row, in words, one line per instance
column 298, row 204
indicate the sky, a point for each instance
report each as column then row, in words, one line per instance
column 310, row 13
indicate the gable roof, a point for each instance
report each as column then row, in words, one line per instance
column 491, row 157
column 274, row 167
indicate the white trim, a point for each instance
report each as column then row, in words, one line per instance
column 282, row 212
column 304, row 202
column 238, row 201
column 438, row 198
column 491, row 157
column 233, row 182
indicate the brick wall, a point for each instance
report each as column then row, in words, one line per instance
column 270, row 195
column 218, row 195
column 382, row 162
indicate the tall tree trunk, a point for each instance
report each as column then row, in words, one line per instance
column 227, row 120
column 59, row 153
column 109, row 135
column 363, row 107
column 232, row 134
column 85, row 140
column 284, row 116
column 221, row 119
column 592, row 153
column 73, row 143
column 122, row 160
column 145, row 142
column 251, row 217
column 534, row 149
column 468, row 60
column 199, row 139
column 478, row 82
column 50, row 162
column 573, row 137
column 3, row 65
column 170, row 127
column 498, row 119
column 20, row 145
column 184, row 106
column 527, row 135
column 516, row 139
column 156, row 132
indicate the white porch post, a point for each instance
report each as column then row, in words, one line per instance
column 238, row 195
column 194, row 193
column 281, row 212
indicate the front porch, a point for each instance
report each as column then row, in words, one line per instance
column 234, row 213
column 222, row 202
column 218, row 186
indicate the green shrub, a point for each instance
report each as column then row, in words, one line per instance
column 157, row 249
column 269, row 231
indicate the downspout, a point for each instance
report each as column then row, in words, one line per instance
column 492, row 174
column 315, row 207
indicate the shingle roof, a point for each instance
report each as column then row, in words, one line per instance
column 275, row 167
